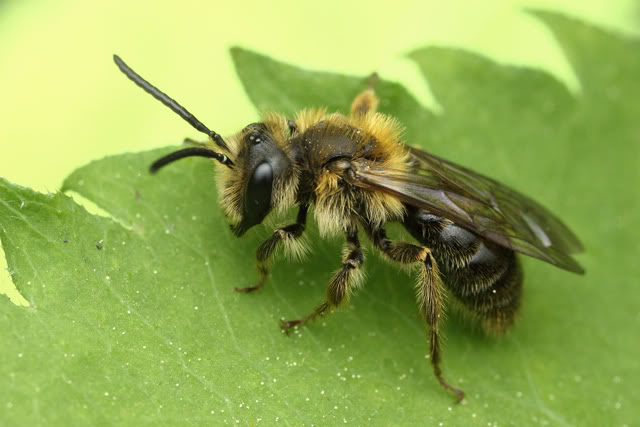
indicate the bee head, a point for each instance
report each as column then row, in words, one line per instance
column 264, row 177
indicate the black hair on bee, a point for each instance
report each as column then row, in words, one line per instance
column 358, row 174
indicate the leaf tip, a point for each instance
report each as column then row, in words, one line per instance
column 239, row 52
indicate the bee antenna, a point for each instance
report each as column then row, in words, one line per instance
column 189, row 152
column 168, row 101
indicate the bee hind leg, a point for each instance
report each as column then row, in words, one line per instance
column 342, row 282
column 289, row 236
column 429, row 292
column 366, row 101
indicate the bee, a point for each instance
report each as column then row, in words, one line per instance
column 358, row 175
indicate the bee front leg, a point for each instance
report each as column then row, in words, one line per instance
column 428, row 292
column 342, row 282
column 289, row 236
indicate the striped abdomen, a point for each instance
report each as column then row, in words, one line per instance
column 484, row 278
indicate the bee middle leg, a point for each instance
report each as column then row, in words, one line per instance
column 289, row 236
column 428, row 292
column 341, row 283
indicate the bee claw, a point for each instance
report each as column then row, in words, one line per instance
column 248, row 289
column 286, row 325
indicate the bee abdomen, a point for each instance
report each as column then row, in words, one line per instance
column 484, row 278
column 489, row 288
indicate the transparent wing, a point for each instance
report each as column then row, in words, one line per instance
column 479, row 204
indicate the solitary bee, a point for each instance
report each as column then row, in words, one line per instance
column 359, row 175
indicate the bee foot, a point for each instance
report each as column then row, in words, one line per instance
column 459, row 395
column 286, row 325
column 248, row 289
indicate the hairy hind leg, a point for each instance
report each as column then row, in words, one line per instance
column 341, row 283
column 429, row 292
column 366, row 101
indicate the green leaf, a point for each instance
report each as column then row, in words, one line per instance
column 132, row 319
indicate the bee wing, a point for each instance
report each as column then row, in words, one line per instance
column 478, row 203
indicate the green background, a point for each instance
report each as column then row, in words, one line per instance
column 65, row 104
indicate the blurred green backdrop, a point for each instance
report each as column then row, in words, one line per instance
column 63, row 102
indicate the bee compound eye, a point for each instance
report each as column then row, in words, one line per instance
column 257, row 197
column 259, row 187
